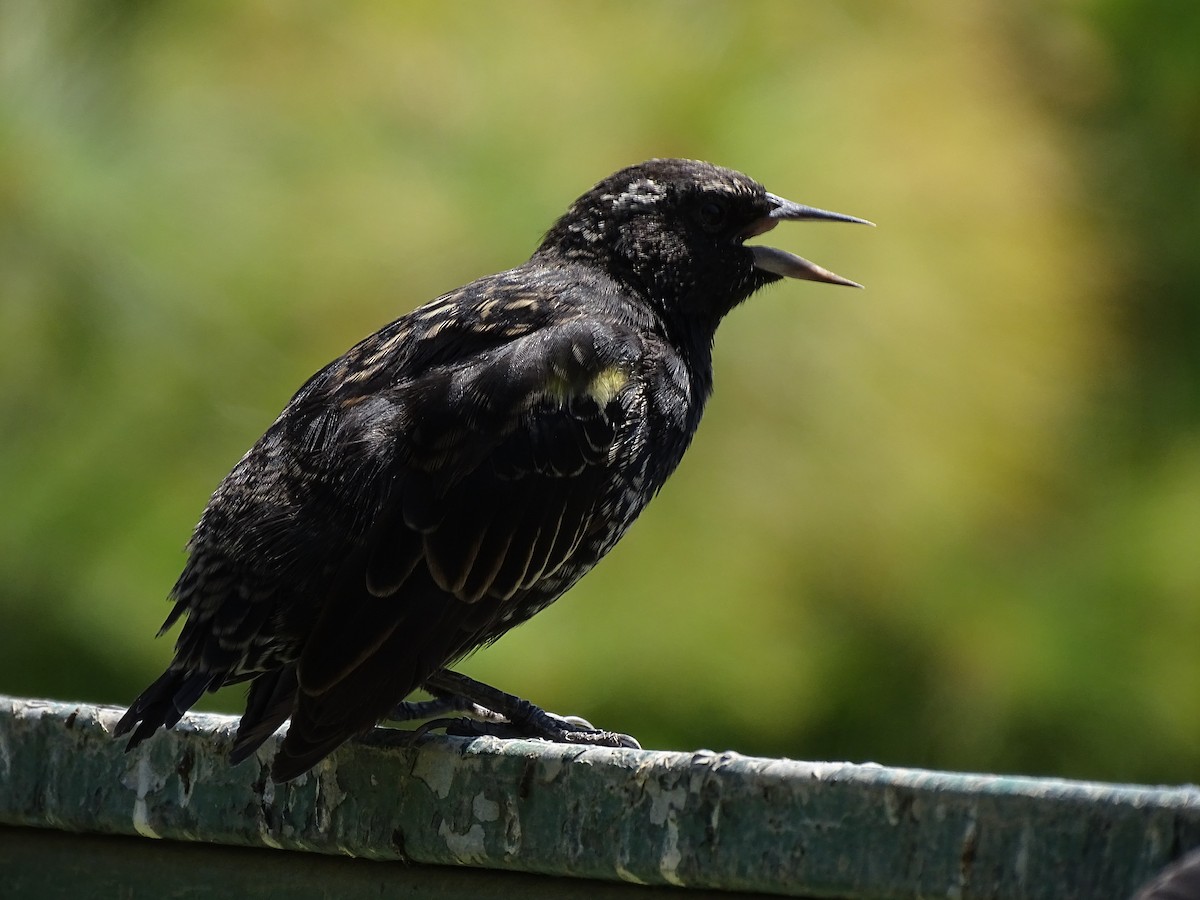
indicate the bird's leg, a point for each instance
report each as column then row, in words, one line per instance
column 520, row 718
column 412, row 709
column 440, row 705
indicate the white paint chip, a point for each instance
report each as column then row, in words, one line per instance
column 468, row 846
column 145, row 783
column 485, row 810
column 436, row 772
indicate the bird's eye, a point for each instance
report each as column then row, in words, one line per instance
column 711, row 214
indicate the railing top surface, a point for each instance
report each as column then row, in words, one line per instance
column 702, row 819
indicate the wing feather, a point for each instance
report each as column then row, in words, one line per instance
column 494, row 493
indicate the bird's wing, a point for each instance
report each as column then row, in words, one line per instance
column 492, row 466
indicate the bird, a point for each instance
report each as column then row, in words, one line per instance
column 457, row 471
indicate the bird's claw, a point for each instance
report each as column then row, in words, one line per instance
column 571, row 731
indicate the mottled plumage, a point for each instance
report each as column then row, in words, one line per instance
column 458, row 470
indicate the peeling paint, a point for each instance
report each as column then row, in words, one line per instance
column 146, row 782
column 436, row 772
column 485, row 810
column 466, row 846
column 512, row 827
column 551, row 769
column 713, row 821
column 266, row 801
column 664, row 801
column 821, row 771
column 672, row 856
column 625, row 875
column 665, row 804
column 329, row 793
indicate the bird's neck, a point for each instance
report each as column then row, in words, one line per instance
column 694, row 341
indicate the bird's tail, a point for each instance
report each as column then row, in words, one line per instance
column 423, row 639
column 271, row 699
column 163, row 704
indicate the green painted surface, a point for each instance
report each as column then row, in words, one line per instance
column 40, row 864
column 701, row 820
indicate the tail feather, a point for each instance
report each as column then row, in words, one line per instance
column 271, row 699
column 163, row 704
column 324, row 720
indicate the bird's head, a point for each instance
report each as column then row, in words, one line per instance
column 674, row 230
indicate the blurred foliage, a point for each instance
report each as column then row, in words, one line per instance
column 952, row 521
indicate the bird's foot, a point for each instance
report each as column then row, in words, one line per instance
column 496, row 713
column 547, row 727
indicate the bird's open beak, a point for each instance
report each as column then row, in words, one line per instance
column 788, row 265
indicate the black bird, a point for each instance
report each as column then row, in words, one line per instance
column 454, row 473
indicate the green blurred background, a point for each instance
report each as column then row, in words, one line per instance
column 952, row 521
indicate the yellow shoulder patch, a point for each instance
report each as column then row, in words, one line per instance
column 607, row 384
